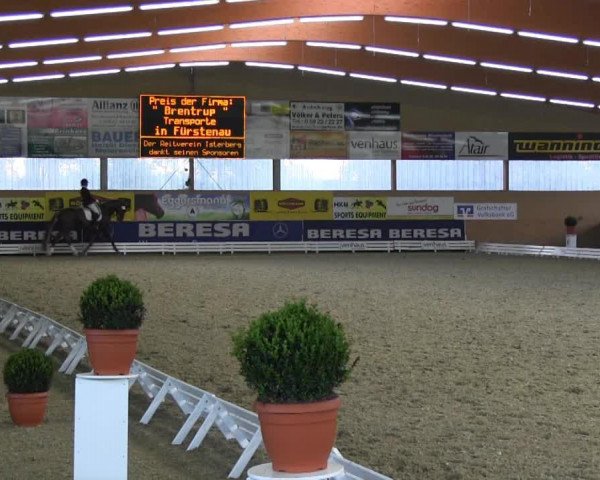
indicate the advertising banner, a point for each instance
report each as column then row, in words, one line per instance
column 291, row 205
column 318, row 145
column 168, row 207
column 359, row 208
column 22, row 232
column 13, row 127
column 373, row 145
column 372, row 116
column 22, row 209
column 267, row 137
column 427, row 145
column 57, row 127
column 114, row 127
column 481, row 146
column 420, row 207
column 59, row 200
column 554, row 146
column 316, row 116
column 268, row 231
column 29, row 232
column 268, row 108
column 450, row 230
column 210, row 232
column 485, row 211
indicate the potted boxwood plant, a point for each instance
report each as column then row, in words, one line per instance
column 111, row 310
column 27, row 376
column 570, row 223
column 294, row 358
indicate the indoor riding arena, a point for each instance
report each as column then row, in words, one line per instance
column 428, row 173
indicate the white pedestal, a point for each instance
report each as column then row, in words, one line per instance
column 265, row 472
column 571, row 240
column 101, row 426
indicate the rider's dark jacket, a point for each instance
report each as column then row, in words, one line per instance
column 86, row 196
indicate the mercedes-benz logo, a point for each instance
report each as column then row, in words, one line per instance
column 280, row 230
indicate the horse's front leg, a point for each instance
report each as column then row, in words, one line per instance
column 112, row 241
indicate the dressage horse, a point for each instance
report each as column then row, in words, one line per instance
column 70, row 220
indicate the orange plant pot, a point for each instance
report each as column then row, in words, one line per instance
column 111, row 352
column 299, row 437
column 27, row 409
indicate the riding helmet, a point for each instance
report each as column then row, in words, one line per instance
column 84, row 182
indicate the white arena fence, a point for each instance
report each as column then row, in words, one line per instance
column 174, row 248
column 201, row 408
column 538, row 250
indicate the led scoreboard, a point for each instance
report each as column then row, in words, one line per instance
column 192, row 126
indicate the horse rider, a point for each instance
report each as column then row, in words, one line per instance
column 88, row 201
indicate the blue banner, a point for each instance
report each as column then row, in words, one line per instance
column 257, row 231
column 336, row 231
column 209, row 231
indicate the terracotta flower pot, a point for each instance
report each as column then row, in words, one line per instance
column 299, row 437
column 27, row 409
column 111, row 352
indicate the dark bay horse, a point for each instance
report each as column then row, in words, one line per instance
column 73, row 219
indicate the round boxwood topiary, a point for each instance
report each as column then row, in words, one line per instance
column 296, row 354
column 110, row 303
column 28, row 371
column 570, row 221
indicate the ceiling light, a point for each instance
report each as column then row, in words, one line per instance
column 165, row 5
column 143, row 53
column 15, row 17
column 416, row 83
column 332, row 18
column 571, row 103
column 43, row 43
column 57, row 61
column 348, row 46
column 3, row 80
column 592, row 43
column 259, row 44
column 474, row 90
column 391, row 51
column 117, row 36
column 262, row 23
column 90, row 11
column 483, row 28
column 281, row 66
column 38, row 77
column 502, row 66
column 554, row 73
column 373, row 77
column 204, row 64
column 596, row 79
column 198, row 48
column 520, row 96
column 150, row 67
column 545, row 36
column 90, row 73
column 442, row 58
column 26, row 63
column 181, row 31
column 420, row 21
column 321, row 70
